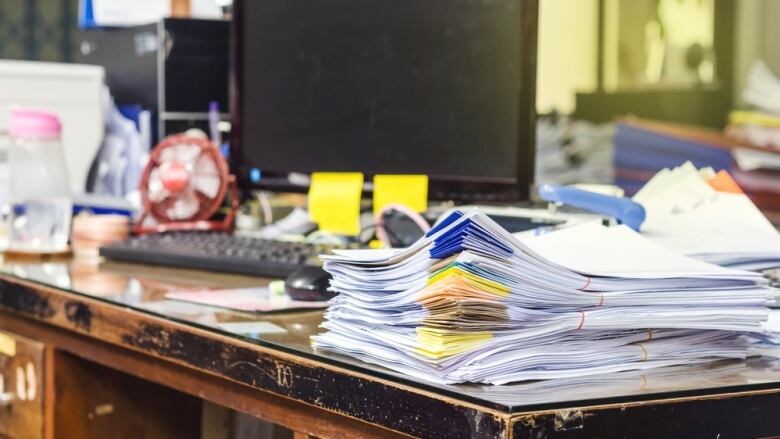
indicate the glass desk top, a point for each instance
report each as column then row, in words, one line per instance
column 143, row 288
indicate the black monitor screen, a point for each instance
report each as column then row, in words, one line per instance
column 436, row 87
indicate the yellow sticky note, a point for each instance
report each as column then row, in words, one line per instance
column 409, row 190
column 334, row 201
column 7, row 345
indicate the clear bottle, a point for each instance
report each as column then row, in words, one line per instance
column 40, row 206
column 5, row 142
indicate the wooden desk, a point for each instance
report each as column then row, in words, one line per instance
column 114, row 315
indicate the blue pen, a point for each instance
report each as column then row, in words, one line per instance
column 216, row 136
column 625, row 210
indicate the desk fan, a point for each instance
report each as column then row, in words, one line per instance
column 183, row 185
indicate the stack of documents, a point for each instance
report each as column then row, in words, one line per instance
column 767, row 343
column 571, row 151
column 759, row 132
column 469, row 302
column 579, row 388
column 756, row 128
column 763, row 88
column 706, row 216
column 644, row 147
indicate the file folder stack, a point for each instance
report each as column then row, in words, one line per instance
column 470, row 302
column 642, row 148
column 755, row 127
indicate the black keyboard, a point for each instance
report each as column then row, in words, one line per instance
column 216, row 252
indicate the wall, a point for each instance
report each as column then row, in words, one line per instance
column 567, row 52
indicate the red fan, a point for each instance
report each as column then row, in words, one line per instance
column 184, row 184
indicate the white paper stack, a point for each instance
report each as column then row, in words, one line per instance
column 673, row 378
column 767, row 343
column 687, row 215
column 469, row 302
column 763, row 88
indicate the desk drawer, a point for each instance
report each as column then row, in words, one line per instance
column 21, row 387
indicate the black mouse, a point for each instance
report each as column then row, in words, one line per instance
column 308, row 283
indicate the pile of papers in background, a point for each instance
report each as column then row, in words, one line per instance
column 706, row 216
column 572, row 151
column 470, row 302
column 763, row 91
column 749, row 150
column 755, row 127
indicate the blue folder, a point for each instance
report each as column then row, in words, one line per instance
column 641, row 148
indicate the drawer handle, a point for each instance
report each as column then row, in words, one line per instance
column 6, row 398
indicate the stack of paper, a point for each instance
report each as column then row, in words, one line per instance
column 570, row 151
column 579, row 388
column 767, row 343
column 707, row 217
column 644, row 147
column 762, row 88
column 469, row 302
column 756, row 128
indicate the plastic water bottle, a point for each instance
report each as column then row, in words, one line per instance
column 5, row 142
column 40, row 206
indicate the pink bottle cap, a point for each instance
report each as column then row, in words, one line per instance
column 34, row 123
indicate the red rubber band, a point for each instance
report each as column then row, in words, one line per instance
column 601, row 302
column 582, row 321
column 587, row 284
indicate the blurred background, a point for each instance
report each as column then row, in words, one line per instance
column 607, row 72
column 596, row 59
column 628, row 87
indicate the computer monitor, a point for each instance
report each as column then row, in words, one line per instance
column 437, row 87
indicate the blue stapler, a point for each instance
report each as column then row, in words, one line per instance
column 623, row 209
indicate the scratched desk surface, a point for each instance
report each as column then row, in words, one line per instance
column 143, row 288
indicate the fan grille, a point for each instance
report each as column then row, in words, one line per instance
column 185, row 180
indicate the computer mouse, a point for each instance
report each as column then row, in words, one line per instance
column 309, row 283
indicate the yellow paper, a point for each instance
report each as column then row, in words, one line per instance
column 480, row 282
column 408, row 190
column 334, row 201
column 7, row 345
column 754, row 118
column 436, row 343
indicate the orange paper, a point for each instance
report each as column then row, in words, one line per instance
column 722, row 182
